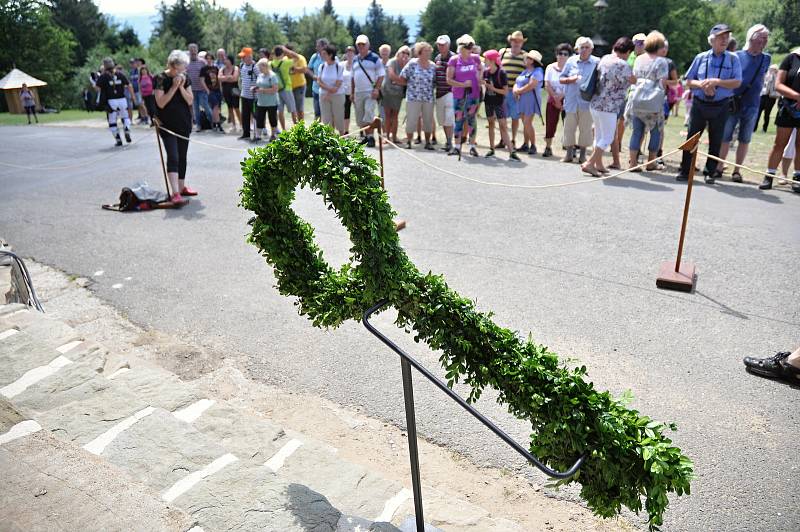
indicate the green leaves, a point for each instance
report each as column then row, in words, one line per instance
column 629, row 457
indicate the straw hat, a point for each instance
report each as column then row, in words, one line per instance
column 536, row 56
column 516, row 36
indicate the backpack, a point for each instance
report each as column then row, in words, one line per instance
column 129, row 201
column 591, row 85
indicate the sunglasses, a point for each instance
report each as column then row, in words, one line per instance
column 565, row 54
column 468, row 45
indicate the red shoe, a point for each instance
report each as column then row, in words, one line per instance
column 186, row 191
column 177, row 199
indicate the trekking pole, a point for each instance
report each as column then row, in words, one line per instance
column 161, row 154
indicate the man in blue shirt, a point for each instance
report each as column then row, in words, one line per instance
column 578, row 117
column 313, row 65
column 712, row 78
column 747, row 97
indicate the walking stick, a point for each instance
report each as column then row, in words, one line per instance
column 161, row 154
column 399, row 225
column 674, row 275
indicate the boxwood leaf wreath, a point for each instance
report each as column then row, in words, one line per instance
column 629, row 458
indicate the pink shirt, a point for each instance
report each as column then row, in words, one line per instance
column 146, row 85
column 466, row 71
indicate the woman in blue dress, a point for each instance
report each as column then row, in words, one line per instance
column 527, row 91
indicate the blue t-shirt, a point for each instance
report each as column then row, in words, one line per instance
column 134, row 77
column 754, row 67
column 709, row 65
column 314, row 64
column 572, row 91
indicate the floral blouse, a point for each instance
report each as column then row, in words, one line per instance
column 614, row 82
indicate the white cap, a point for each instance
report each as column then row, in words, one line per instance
column 443, row 39
column 362, row 38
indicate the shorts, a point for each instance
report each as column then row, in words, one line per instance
column 746, row 118
column 137, row 99
column 286, row 99
column 495, row 108
column 214, row 98
column 392, row 101
column 118, row 104
column 365, row 108
column 445, row 115
column 512, row 111
column 299, row 94
column 785, row 118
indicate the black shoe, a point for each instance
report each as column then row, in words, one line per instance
column 364, row 140
column 418, row 141
column 119, row 141
column 796, row 184
column 547, row 152
column 489, row 153
column 532, row 151
column 370, row 142
column 774, row 367
column 408, row 144
column 455, row 151
column 500, row 145
column 429, row 146
column 523, row 148
column 766, row 184
column 514, row 157
column 127, row 136
column 473, row 152
column 681, row 177
column 447, row 147
column 434, row 142
column 243, row 137
column 712, row 177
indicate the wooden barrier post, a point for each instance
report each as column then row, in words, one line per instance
column 677, row 275
column 399, row 225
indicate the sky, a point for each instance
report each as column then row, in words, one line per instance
column 139, row 15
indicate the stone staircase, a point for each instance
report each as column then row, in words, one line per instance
column 89, row 444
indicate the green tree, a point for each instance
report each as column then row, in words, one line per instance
column 221, row 28
column 327, row 9
column 32, row 41
column 258, row 30
column 353, row 27
column 789, row 22
column 484, row 33
column 528, row 16
column 88, row 26
column 182, row 19
column 375, row 24
column 450, row 17
column 396, row 31
column 319, row 25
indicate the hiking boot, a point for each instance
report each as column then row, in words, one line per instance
column 119, row 140
column 127, row 136
column 547, row 152
column 570, row 155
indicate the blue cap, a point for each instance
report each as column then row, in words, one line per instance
column 719, row 29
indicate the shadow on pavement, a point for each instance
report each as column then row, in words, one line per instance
column 637, row 183
column 191, row 211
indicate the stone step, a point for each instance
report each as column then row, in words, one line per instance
column 49, row 484
column 155, row 386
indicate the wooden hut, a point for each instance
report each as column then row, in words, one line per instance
column 12, row 84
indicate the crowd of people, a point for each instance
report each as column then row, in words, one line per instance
column 636, row 88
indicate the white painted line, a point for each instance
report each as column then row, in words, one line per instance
column 97, row 445
column 117, row 373
column 193, row 411
column 20, row 311
column 187, row 482
column 33, row 376
column 23, row 428
column 116, row 286
column 196, row 529
column 66, row 348
column 98, row 273
column 277, row 460
column 8, row 334
column 393, row 504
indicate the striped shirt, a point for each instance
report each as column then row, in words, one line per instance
column 248, row 74
column 442, row 87
column 193, row 72
column 512, row 64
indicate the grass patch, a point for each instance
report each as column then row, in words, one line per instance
column 8, row 119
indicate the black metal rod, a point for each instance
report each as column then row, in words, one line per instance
column 466, row 406
column 413, row 451
column 26, row 276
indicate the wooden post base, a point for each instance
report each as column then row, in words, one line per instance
column 682, row 280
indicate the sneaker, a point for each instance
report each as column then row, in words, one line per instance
column 455, row 151
column 532, row 151
column 119, row 141
column 219, row 129
column 547, row 152
column 489, row 153
column 774, row 367
column 429, row 146
column 473, row 151
column 766, row 184
column 127, row 136
column 514, row 157
column 177, row 199
column 524, row 147
column 370, row 142
column 186, row 191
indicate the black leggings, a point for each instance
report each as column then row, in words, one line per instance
column 261, row 112
column 31, row 109
column 150, row 105
column 176, row 149
column 765, row 107
column 247, row 112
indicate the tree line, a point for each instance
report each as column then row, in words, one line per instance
column 62, row 41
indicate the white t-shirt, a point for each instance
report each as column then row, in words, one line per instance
column 367, row 71
column 330, row 74
column 347, row 76
column 553, row 76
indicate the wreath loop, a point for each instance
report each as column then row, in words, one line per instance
column 628, row 454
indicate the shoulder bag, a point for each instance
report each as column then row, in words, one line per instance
column 648, row 95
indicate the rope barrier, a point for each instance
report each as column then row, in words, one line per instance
column 512, row 185
column 82, row 164
column 743, row 167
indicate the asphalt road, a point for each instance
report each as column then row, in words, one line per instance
column 576, row 266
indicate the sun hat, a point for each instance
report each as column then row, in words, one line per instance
column 443, row 39
column 535, row 55
column 465, row 40
column 246, row 51
column 719, row 29
column 362, row 39
column 516, row 36
column 492, row 56
column 639, row 37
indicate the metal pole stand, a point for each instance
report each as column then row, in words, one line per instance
column 677, row 275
